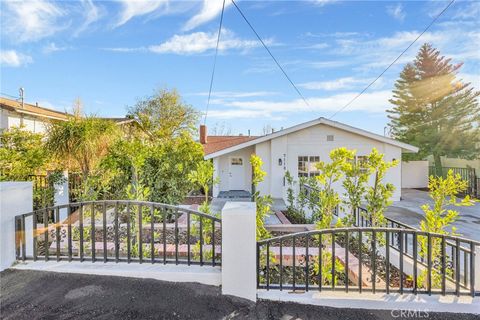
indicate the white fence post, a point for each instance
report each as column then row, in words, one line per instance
column 239, row 250
column 15, row 198
column 61, row 196
column 477, row 268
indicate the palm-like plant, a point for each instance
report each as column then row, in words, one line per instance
column 81, row 142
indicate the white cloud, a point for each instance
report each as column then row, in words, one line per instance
column 322, row 3
column 11, row 58
column 199, row 42
column 470, row 11
column 91, row 13
column 210, row 9
column 341, row 83
column 373, row 102
column 52, row 47
column 372, row 54
column 134, row 8
column 236, row 95
column 397, row 12
column 30, row 20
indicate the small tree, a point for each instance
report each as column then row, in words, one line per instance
column 203, row 177
column 378, row 196
column 328, row 198
column 263, row 203
column 164, row 115
column 355, row 184
column 439, row 217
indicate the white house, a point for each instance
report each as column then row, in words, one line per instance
column 295, row 149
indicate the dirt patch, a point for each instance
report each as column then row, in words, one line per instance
column 86, row 291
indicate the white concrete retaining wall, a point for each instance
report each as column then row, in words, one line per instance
column 415, row 174
column 15, row 198
column 239, row 250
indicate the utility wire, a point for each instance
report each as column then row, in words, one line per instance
column 269, row 52
column 391, row 64
column 214, row 63
column 9, row 95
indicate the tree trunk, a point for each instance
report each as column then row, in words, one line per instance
column 437, row 160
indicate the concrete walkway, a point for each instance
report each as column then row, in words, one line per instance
column 409, row 212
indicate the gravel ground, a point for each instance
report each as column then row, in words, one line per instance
column 47, row 295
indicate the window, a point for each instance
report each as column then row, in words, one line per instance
column 361, row 162
column 307, row 166
column 330, row 137
column 236, row 161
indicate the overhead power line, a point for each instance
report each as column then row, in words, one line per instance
column 269, row 52
column 393, row 62
column 214, row 62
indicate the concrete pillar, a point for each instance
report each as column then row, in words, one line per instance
column 15, row 198
column 61, row 196
column 239, row 250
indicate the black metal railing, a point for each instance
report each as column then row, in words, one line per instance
column 117, row 231
column 462, row 257
column 359, row 259
column 363, row 219
column 467, row 174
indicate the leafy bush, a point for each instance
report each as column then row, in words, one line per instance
column 263, row 203
column 22, row 153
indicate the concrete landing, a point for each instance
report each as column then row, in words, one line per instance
column 395, row 302
column 175, row 273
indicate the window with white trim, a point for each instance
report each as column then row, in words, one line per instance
column 307, row 166
column 360, row 161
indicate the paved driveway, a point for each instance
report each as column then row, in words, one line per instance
column 49, row 295
column 408, row 211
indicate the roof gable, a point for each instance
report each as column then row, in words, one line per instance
column 404, row 146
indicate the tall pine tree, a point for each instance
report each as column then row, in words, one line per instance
column 435, row 111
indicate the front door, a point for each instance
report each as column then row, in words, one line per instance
column 236, row 174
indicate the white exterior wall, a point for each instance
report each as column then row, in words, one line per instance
column 224, row 168
column 277, row 174
column 216, row 174
column 415, row 174
column 263, row 150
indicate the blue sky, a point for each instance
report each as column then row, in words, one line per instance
column 111, row 53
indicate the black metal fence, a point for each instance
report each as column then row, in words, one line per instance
column 362, row 259
column 467, row 174
column 43, row 193
column 119, row 230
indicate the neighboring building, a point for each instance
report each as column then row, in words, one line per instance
column 296, row 149
column 14, row 113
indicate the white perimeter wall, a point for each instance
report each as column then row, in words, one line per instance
column 415, row 174
column 15, row 198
